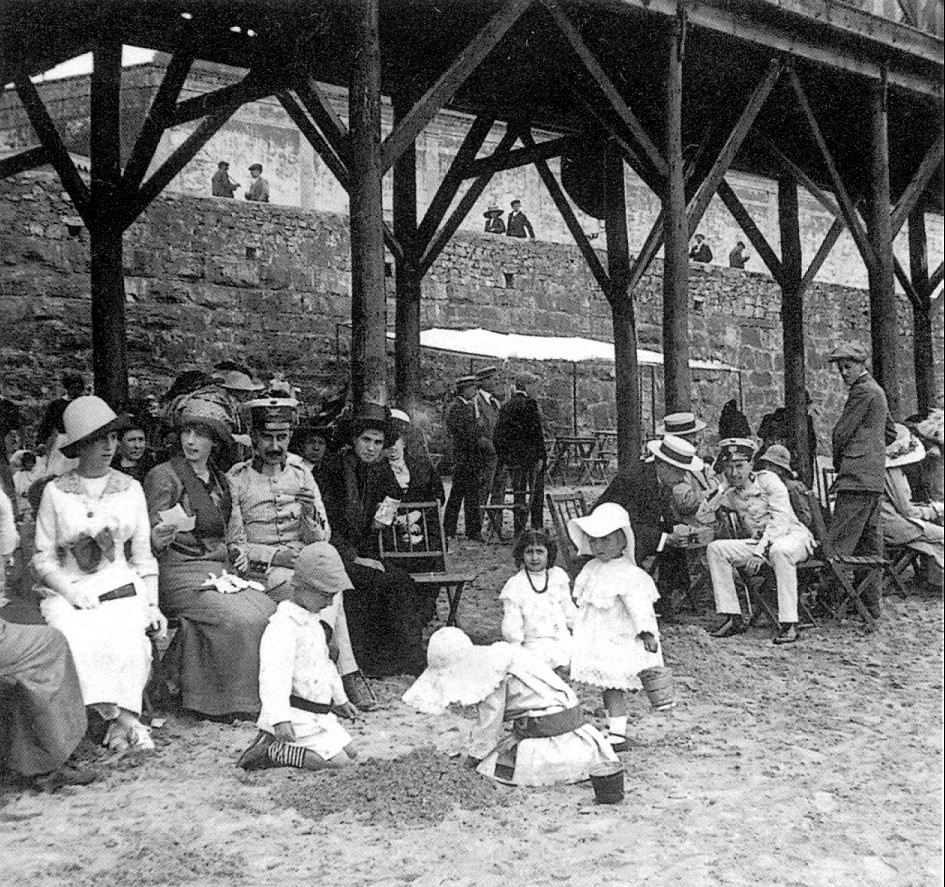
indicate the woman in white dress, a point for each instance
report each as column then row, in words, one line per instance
column 102, row 602
column 549, row 742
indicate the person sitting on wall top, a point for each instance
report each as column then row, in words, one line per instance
column 221, row 185
column 700, row 250
column 494, row 223
column 259, row 190
column 518, row 223
column 738, row 257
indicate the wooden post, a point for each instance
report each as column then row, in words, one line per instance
column 627, row 372
column 883, row 301
column 368, row 310
column 109, row 341
column 923, row 354
column 407, row 277
column 676, row 379
column 792, row 323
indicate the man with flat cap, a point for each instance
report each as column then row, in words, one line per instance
column 278, row 512
column 467, row 459
column 859, row 443
column 259, row 190
column 221, row 185
column 520, row 448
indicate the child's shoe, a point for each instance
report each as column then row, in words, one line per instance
column 617, row 742
column 256, row 757
column 116, row 738
column 139, row 738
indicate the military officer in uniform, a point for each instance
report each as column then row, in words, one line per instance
column 278, row 509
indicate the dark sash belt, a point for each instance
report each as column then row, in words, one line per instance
column 544, row 726
column 316, row 708
column 118, row 593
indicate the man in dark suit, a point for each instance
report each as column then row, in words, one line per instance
column 859, row 442
column 464, row 432
column 518, row 224
column 520, row 447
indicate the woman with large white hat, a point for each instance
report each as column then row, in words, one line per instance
column 904, row 523
column 549, row 741
column 102, row 602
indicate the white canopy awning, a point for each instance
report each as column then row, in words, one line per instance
column 572, row 349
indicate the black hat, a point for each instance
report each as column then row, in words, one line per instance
column 369, row 415
column 273, row 413
column 256, row 166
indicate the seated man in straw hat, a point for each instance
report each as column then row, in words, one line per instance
column 664, row 497
column 278, row 509
column 774, row 536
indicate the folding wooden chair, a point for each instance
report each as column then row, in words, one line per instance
column 416, row 542
column 901, row 558
column 838, row 565
column 564, row 506
column 495, row 513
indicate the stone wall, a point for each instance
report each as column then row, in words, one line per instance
column 208, row 278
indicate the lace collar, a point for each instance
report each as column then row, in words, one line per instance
column 71, row 482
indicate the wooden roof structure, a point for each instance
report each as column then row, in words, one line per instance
column 815, row 93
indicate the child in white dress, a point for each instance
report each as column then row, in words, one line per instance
column 615, row 632
column 538, row 612
column 299, row 686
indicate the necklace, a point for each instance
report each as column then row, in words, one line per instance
column 88, row 496
column 541, row 590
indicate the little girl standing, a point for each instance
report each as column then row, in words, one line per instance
column 615, row 633
column 538, row 612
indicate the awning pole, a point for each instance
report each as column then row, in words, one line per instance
column 574, row 397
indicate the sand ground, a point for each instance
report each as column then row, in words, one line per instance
column 815, row 764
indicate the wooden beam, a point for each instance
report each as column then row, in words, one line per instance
column 154, row 124
column 600, row 77
column 647, row 174
column 847, row 209
column 923, row 175
column 106, row 277
column 314, row 137
column 677, row 379
column 626, row 366
column 24, row 160
column 923, row 351
column 466, row 203
column 326, row 119
column 703, row 196
column 884, row 319
column 472, row 142
column 519, row 157
column 751, row 231
column 250, row 89
column 368, row 291
column 789, row 166
column 935, row 280
column 450, row 81
column 911, row 291
column 792, row 321
column 50, row 139
column 826, row 245
column 570, row 219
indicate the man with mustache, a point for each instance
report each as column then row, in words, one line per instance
column 278, row 511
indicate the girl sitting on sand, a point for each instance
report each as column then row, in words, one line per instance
column 549, row 741
column 615, row 632
column 299, row 685
column 538, row 613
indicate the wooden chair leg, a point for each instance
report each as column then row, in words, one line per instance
column 852, row 595
column 453, row 595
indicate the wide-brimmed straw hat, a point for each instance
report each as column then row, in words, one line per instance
column 493, row 211
column 780, row 455
column 458, row 671
column 680, row 424
column 676, row 451
column 906, row 449
column 602, row 521
column 86, row 419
